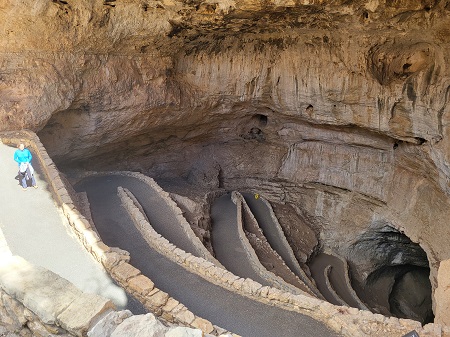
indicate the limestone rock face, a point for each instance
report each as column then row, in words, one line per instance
column 441, row 294
column 339, row 109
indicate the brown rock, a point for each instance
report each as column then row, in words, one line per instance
column 125, row 271
column 157, row 298
column 141, row 285
column 203, row 325
column 442, row 311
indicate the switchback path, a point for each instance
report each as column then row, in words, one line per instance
column 265, row 221
column 227, row 244
column 35, row 229
column 337, row 279
column 224, row 308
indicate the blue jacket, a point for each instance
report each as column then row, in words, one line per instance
column 22, row 156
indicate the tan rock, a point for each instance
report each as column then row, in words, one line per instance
column 203, row 324
column 40, row 290
column 39, row 329
column 111, row 259
column 237, row 284
column 251, row 287
column 170, row 305
column 141, row 285
column 125, row 271
column 183, row 315
column 442, row 293
column 140, row 326
column 445, row 331
column 8, row 318
column 183, row 332
column 156, row 298
column 107, row 324
column 99, row 249
column 78, row 321
column 89, row 237
column 81, row 225
column 13, row 309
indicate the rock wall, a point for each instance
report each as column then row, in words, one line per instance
column 98, row 74
column 349, row 321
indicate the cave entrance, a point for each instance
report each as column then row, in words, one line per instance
column 398, row 272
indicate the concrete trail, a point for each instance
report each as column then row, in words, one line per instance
column 227, row 244
column 325, row 266
column 34, row 228
column 246, row 235
column 264, row 218
column 155, row 208
column 222, row 307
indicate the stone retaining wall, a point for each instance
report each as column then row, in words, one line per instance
column 178, row 213
column 44, row 304
column 38, row 302
column 181, row 220
column 297, row 269
column 348, row 283
column 330, row 288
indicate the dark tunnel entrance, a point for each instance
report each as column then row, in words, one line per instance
column 397, row 270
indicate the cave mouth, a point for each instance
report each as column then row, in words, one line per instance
column 410, row 296
column 398, row 272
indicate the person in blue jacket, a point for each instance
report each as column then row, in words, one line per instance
column 26, row 172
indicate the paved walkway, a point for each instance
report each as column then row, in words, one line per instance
column 336, row 279
column 164, row 222
column 222, row 307
column 228, row 247
column 33, row 227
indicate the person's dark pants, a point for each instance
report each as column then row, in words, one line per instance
column 23, row 178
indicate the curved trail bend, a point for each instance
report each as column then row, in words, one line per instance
column 224, row 308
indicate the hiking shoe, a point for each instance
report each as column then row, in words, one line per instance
column 35, row 186
column 24, row 188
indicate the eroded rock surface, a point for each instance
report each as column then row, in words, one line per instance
column 337, row 109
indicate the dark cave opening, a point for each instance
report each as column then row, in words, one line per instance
column 261, row 119
column 410, row 296
column 398, row 272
